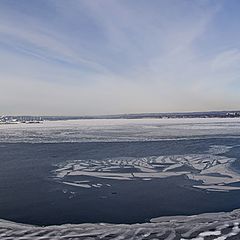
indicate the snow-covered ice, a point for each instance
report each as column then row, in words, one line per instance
column 115, row 130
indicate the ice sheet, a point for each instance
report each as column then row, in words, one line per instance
column 115, row 130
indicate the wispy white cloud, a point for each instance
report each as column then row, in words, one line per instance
column 100, row 57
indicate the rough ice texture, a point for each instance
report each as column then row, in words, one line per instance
column 209, row 226
column 212, row 171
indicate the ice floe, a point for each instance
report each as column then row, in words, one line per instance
column 211, row 170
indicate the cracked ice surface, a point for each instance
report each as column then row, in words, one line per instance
column 212, row 170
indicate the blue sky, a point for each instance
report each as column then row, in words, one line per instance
column 84, row 57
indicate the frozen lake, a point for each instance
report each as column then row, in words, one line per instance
column 118, row 171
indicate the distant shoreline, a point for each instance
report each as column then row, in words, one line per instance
column 210, row 114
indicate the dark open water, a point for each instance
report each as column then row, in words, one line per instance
column 30, row 194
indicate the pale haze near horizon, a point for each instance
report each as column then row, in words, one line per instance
column 107, row 57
